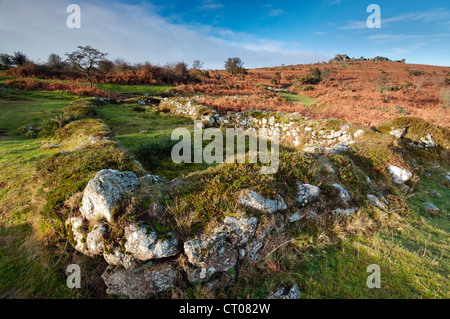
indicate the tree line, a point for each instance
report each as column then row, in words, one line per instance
column 93, row 65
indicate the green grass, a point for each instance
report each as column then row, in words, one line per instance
column 141, row 89
column 26, row 269
column 29, row 270
column 307, row 101
column 128, row 123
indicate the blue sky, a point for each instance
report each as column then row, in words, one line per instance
column 262, row 33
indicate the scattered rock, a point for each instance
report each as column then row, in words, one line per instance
column 141, row 283
column 314, row 149
column 430, row 208
column 151, row 179
column 358, row 133
column 105, row 191
column 284, row 293
column 428, row 141
column 345, row 212
column 253, row 199
column 447, row 177
column 399, row 175
column 399, row 133
column 295, row 217
column 375, row 201
column 343, row 193
column 436, row 194
column 306, row 193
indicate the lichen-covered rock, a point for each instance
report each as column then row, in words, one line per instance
column 211, row 253
column 345, row 211
column 116, row 257
column 252, row 249
column 375, row 201
column 144, row 243
column 343, row 193
column 95, row 239
column 295, row 217
column 306, row 193
column 77, row 235
column 428, row 141
column 358, row 133
column 239, row 229
column 253, row 199
column 140, row 283
column 399, row 133
column 284, row 293
column 104, row 192
column 399, row 175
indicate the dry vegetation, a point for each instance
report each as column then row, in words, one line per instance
column 366, row 92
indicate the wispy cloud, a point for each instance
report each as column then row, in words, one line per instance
column 436, row 15
column 273, row 12
column 384, row 38
column 136, row 34
column 210, row 5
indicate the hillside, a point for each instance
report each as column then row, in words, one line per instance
column 363, row 179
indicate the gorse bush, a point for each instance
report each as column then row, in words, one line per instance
column 313, row 77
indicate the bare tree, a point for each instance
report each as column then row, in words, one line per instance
column 197, row 65
column 85, row 58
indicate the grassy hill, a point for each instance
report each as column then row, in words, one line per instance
column 53, row 143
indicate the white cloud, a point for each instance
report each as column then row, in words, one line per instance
column 276, row 12
column 136, row 33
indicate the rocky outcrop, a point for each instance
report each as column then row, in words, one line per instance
column 141, row 283
column 105, row 191
column 341, row 58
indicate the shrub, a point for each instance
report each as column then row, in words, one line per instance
column 235, row 66
column 415, row 72
column 313, row 77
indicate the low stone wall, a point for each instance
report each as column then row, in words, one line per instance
column 294, row 130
